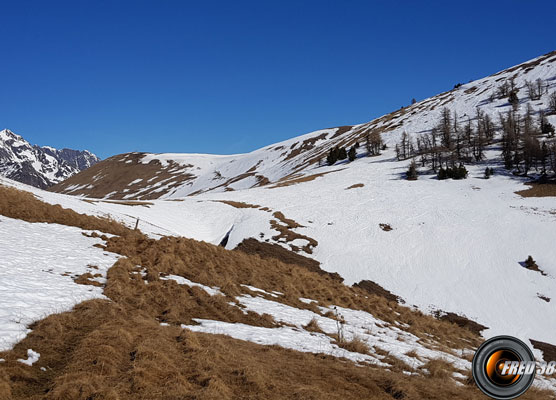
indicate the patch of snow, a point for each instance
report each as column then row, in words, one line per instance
column 213, row 291
column 34, row 257
column 32, row 357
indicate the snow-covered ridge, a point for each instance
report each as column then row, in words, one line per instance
column 39, row 166
column 173, row 175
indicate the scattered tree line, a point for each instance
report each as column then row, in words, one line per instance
column 526, row 143
column 373, row 145
column 523, row 144
column 449, row 143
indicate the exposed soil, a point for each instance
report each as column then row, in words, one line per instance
column 341, row 130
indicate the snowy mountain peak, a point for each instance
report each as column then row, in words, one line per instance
column 39, row 166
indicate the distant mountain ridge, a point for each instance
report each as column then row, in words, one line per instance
column 38, row 166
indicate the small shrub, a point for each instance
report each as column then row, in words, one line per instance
column 530, row 263
column 459, row 172
column 412, row 171
column 355, row 345
column 313, row 326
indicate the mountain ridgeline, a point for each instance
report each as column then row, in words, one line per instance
column 38, row 166
column 524, row 92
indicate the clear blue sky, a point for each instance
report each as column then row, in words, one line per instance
column 232, row 76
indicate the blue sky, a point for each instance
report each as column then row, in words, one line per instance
column 228, row 77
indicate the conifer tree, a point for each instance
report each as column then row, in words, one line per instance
column 412, row 171
column 352, row 153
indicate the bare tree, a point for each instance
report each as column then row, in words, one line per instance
column 552, row 102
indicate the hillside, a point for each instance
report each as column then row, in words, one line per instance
column 39, row 166
column 175, row 317
column 430, row 242
column 148, row 176
column 279, row 254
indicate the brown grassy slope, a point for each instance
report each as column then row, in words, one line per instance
column 117, row 172
column 102, row 350
column 117, row 349
column 215, row 266
column 18, row 204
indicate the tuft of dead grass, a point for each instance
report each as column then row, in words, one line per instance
column 440, row 369
column 313, row 326
column 355, row 345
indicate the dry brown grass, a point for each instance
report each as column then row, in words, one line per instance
column 86, row 279
column 102, row 350
column 215, row 266
column 539, row 190
column 275, row 251
column 237, row 204
column 355, row 345
column 290, row 223
column 313, row 326
column 117, row 349
column 17, row 204
column 357, row 185
column 129, row 203
column 289, row 180
column 377, row 290
column 286, row 234
column 118, row 172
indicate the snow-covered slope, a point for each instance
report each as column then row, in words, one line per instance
column 39, row 166
column 455, row 246
column 37, row 270
column 150, row 176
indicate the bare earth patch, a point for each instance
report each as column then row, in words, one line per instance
column 385, row 227
column 357, row 185
column 237, row 204
column 539, row 190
